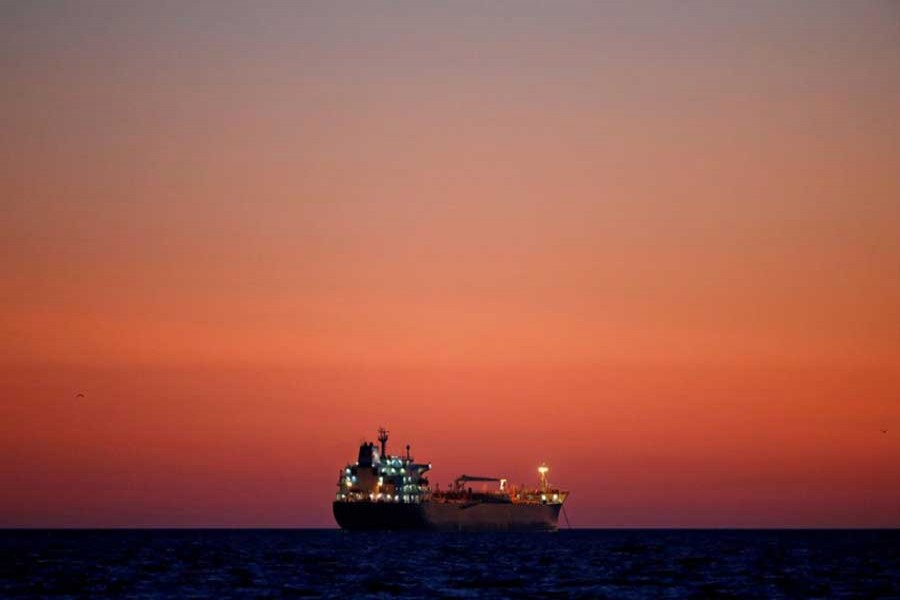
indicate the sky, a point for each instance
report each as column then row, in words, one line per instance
column 654, row 244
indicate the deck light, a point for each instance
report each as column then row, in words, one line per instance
column 543, row 469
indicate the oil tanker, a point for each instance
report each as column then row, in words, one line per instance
column 381, row 491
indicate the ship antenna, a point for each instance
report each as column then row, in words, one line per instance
column 383, row 438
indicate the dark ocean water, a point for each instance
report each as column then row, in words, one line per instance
column 573, row 563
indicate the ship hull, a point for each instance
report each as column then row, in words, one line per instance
column 447, row 516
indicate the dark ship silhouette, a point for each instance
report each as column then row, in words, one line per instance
column 382, row 491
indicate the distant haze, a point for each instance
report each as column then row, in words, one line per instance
column 654, row 244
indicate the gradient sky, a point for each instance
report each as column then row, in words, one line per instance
column 655, row 244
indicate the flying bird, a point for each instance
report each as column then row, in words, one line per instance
column 884, row 431
column 79, row 395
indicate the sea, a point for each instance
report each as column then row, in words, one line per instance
column 578, row 563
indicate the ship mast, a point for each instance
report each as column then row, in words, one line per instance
column 383, row 438
column 542, row 470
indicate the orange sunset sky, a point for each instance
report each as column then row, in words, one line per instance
column 654, row 244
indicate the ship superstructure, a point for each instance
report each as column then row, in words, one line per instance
column 378, row 477
column 383, row 491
